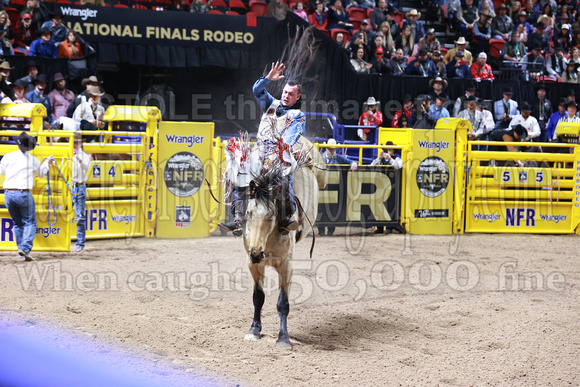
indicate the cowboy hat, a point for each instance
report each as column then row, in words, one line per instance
column 526, row 107
column 25, row 142
column 521, row 131
column 331, row 141
column 461, row 40
column 485, row 12
column 5, row 66
column 39, row 78
column 58, row 77
column 91, row 79
column 540, row 86
column 522, row 13
column 371, row 101
column 413, row 12
column 94, row 90
column 19, row 82
column 572, row 103
column 438, row 79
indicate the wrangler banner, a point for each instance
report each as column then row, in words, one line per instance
column 371, row 196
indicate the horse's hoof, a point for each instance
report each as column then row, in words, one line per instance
column 250, row 336
column 283, row 344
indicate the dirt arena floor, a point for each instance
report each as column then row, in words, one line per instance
column 367, row 310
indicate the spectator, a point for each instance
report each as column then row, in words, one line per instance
column 542, row 110
column 6, row 24
column 526, row 120
column 505, row 109
column 571, row 96
column 82, row 97
column 388, row 157
column 406, row 117
column 98, row 3
column 379, row 64
column 5, row 70
column 562, row 18
column 37, row 96
column 487, row 5
column 25, row 33
column 472, row 115
column 385, row 32
column 438, row 110
column 378, row 15
column 81, row 162
column 514, row 134
column 514, row 9
column 360, row 42
column 359, row 64
column 299, row 11
column 5, row 45
column 424, row 120
column 59, row 31
column 513, row 51
column 486, row 127
column 319, row 18
column 523, row 34
column 437, row 59
column 369, row 35
column 338, row 17
column 461, row 102
column 555, row 118
column 395, row 28
column 563, row 38
column 70, row 48
column 331, row 157
column 43, row 46
column 502, row 24
column 38, row 13
column 538, row 39
column 417, row 28
column 482, row 31
column 398, row 64
column 89, row 114
column 452, row 10
column 575, row 57
column 277, row 9
column 406, row 42
column 467, row 16
column 572, row 108
column 480, row 69
column 533, row 11
column 31, row 72
column 571, row 73
column 60, row 98
column 19, row 89
column 422, row 66
column 428, row 42
column 533, row 64
column 438, row 85
column 371, row 116
column 379, row 42
column 461, row 44
column 198, row 6
column 458, row 67
column 339, row 39
column 522, row 18
column 556, row 63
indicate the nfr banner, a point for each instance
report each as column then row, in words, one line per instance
column 371, row 196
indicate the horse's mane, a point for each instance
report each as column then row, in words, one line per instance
column 271, row 188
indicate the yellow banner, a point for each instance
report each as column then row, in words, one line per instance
column 184, row 160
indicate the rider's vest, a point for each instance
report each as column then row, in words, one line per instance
column 272, row 126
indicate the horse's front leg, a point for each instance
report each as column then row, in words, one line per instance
column 285, row 276
column 258, row 298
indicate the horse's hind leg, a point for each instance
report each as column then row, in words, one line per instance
column 258, row 298
column 284, row 275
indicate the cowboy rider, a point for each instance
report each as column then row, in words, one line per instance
column 281, row 118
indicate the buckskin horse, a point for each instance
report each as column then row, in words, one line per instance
column 265, row 205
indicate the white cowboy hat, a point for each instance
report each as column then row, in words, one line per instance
column 413, row 12
column 461, row 40
column 370, row 102
column 331, row 141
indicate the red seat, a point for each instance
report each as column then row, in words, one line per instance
column 219, row 4
column 64, row 2
column 548, row 79
column 139, row 6
column 13, row 15
column 369, row 11
column 345, row 33
column 258, row 6
column 355, row 25
column 215, row 12
column 356, row 14
column 19, row 3
column 238, row 6
column 254, row 14
column 496, row 46
column 443, row 50
column 234, row 13
column 411, row 58
column 120, row 6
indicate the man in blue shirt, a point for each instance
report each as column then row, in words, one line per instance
column 458, row 68
column 437, row 110
column 422, row 66
column 59, row 31
column 281, row 118
column 38, row 96
column 43, row 46
column 554, row 118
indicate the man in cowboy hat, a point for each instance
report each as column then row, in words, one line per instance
column 4, row 83
column 82, row 97
column 467, row 17
column 43, row 46
column 472, row 115
column 556, row 64
column 89, row 114
column 572, row 108
column 527, row 121
column 19, row 168
column 502, row 24
column 406, row 117
column 554, row 119
column 461, row 44
column 59, row 31
column 60, row 98
column 482, row 31
column 533, row 64
column 542, row 110
column 19, row 92
column 514, row 134
column 538, row 39
column 505, row 108
column 522, row 18
column 31, row 70
column 81, row 163
column 371, row 116
column 438, row 84
column 461, row 102
column 417, row 28
column 37, row 96
column 438, row 110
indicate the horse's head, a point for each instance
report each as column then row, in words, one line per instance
column 265, row 206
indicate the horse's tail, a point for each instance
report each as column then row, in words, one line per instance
column 316, row 160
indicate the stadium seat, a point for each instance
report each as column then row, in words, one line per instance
column 215, row 12
column 238, row 6
column 250, row 13
column 219, row 5
column 369, row 11
column 355, row 25
column 64, row 2
column 356, row 14
column 120, row 6
column 548, row 79
column 258, row 6
column 18, row 3
column 496, row 46
column 443, row 50
column 232, row 13
column 13, row 15
column 139, row 6
column 410, row 59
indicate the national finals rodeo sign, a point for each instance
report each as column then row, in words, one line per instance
column 127, row 26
